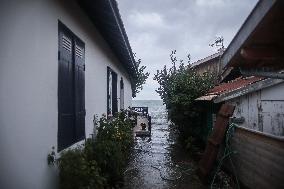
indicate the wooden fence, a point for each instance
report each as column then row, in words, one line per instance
column 259, row 162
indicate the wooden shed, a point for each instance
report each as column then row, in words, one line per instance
column 257, row 51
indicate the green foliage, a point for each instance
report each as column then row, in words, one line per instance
column 189, row 143
column 79, row 170
column 179, row 87
column 112, row 146
column 98, row 163
column 141, row 77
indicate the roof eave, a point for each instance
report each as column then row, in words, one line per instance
column 105, row 16
column 207, row 59
column 246, row 30
column 247, row 89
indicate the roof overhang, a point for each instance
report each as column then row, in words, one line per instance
column 206, row 97
column 247, row 89
column 105, row 16
column 230, row 94
column 208, row 58
column 260, row 41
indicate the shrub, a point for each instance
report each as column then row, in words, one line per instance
column 112, row 146
column 98, row 163
column 78, row 169
column 179, row 87
column 141, row 77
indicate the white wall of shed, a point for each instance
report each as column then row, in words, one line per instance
column 28, row 85
column 263, row 110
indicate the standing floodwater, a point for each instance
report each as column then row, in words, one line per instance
column 156, row 161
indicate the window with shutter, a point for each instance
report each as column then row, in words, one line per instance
column 114, row 93
column 109, row 91
column 71, row 88
column 121, row 94
column 112, row 106
column 79, row 83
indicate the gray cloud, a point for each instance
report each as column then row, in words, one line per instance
column 155, row 27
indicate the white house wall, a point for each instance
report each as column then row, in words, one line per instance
column 262, row 110
column 28, row 85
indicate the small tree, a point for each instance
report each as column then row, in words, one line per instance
column 141, row 77
column 179, row 87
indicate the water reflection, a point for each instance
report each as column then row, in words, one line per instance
column 157, row 161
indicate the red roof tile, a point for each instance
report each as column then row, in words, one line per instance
column 234, row 84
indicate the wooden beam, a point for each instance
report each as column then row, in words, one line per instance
column 265, row 53
column 256, row 16
column 262, row 73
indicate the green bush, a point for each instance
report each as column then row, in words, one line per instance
column 179, row 87
column 141, row 77
column 112, row 146
column 78, row 169
column 98, row 163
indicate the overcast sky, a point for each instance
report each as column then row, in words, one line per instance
column 156, row 27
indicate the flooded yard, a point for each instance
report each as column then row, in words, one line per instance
column 158, row 161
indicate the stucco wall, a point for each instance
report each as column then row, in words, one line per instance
column 28, row 85
column 262, row 110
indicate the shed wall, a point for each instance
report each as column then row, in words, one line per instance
column 259, row 141
column 262, row 110
column 211, row 66
column 259, row 160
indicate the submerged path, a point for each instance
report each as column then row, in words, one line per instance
column 157, row 162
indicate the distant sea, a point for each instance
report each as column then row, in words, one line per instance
column 156, row 110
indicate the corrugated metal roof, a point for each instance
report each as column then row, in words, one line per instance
column 230, row 86
column 234, row 84
column 206, row 97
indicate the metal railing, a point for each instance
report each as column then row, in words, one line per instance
column 140, row 109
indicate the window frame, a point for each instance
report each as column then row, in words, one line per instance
column 70, row 130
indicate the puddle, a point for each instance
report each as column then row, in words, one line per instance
column 157, row 163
